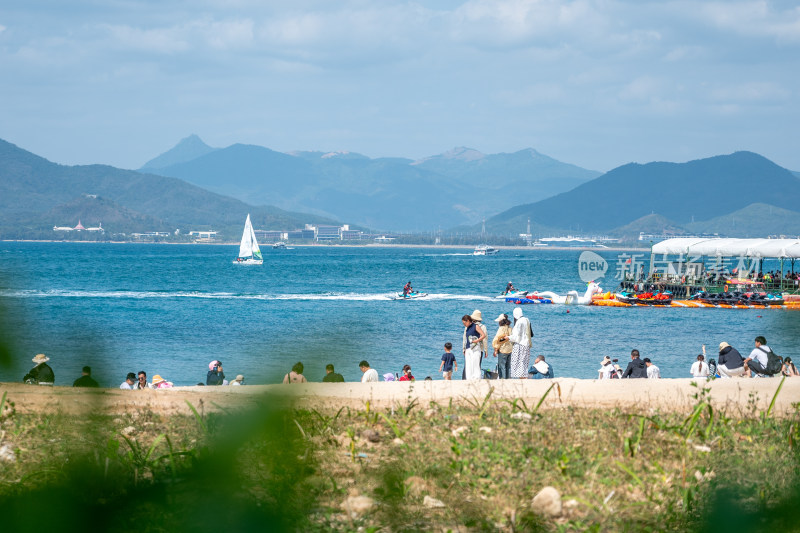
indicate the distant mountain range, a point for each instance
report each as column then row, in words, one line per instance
column 458, row 187
column 741, row 194
column 36, row 194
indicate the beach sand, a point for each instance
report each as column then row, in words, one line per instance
column 736, row 396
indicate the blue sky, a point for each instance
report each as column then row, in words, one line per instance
column 597, row 83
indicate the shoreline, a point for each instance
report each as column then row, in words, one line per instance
column 368, row 245
column 738, row 396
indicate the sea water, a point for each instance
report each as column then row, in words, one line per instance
column 171, row 309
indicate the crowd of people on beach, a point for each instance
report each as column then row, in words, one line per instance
column 510, row 349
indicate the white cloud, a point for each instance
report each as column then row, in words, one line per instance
column 752, row 92
column 753, row 18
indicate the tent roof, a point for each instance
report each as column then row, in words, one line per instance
column 729, row 247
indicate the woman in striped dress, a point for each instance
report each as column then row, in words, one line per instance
column 521, row 353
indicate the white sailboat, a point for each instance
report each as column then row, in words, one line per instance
column 249, row 252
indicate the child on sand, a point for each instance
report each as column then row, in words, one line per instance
column 448, row 362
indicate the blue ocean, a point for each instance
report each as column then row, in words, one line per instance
column 170, row 309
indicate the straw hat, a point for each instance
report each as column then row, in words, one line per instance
column 501, row 317
column 158, row 379
column 40, row 358
column 605, row 360
column 239, row 378
column 476, row 315
column 723, row 345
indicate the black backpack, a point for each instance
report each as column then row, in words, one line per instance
column 774, row 362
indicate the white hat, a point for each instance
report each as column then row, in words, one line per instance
column 40, row 358
column 476, row 315
column 517, row 313
column 605, row 360
column 501, row 317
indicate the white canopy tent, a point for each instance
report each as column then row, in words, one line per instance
column 752, row 248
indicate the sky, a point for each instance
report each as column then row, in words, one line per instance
column 596, row 83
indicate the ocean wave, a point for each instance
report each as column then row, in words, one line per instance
column 141, row 295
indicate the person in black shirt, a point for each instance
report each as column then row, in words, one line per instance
column 41, row 374
column 331, row 376
column 86, row 379
column 636, row 368
column 215, row 374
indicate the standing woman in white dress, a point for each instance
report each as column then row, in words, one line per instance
column 473, row 336
column 521, row 353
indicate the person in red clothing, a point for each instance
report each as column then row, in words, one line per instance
column 406, row 374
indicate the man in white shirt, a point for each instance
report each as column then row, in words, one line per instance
column 757, row 360
column 653, row 372
column 129, row 382
column 370, row 374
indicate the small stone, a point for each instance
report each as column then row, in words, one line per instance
column 702, row 448
column 485, row 429
column 398, row 442
column 128, row 431
column 459, row 430
column 371, row 435
column 7, row 455
column 547, row 502
column 355, row 506
column 432, row 503
column 521, row 416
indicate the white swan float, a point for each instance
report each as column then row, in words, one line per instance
column 572, row 297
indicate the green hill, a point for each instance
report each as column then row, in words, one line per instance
column 36, row 194
column 696, row 191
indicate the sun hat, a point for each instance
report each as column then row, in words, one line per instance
column 476, row 315
column 212, row 364
column 158, row 379
column 388, row 376
column 605, row 360
column 239, row 378
column 723, row 345
column 501, row 317
column 40, row 358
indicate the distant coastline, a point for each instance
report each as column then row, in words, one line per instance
column 371, row 245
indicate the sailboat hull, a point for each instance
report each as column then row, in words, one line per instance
column 249, row 262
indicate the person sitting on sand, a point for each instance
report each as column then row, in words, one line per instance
column 757, row 360
column 86, row 379
column 296, row 375
column 331, row 376
column 406, row 374
column 606, row 368
column 215, row 374
column 541, row 369
column 789, row 370
column 699, row 368
column 41, row 374
column 653, row 372
column 129, row 383
column 731, row 362
column 160, row 383
column 636, row 368
column 238, row 381
column 370, row 375
column 141, row 382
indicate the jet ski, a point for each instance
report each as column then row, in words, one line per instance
column 512, row 294
column 410, row 296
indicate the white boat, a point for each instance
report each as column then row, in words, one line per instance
column 249, row 252
column 484, row 249
column 279, row 245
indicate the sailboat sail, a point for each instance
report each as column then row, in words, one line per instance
column 249, row 252
column 256, row 249
column 246, row 247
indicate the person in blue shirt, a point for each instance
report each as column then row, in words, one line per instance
column 448, row 362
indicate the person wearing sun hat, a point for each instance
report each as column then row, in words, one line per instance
column 161, row 383
column 730, row 363
column 41, row 374
column 238, row 381
column 606, row 368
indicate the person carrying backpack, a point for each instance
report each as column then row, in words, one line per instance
column 762, row 361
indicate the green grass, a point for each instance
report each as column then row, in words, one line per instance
column 292, row 468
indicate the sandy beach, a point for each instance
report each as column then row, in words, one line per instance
column 736, row 396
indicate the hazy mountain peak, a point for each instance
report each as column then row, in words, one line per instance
column 463, row 153
column 188, row 148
